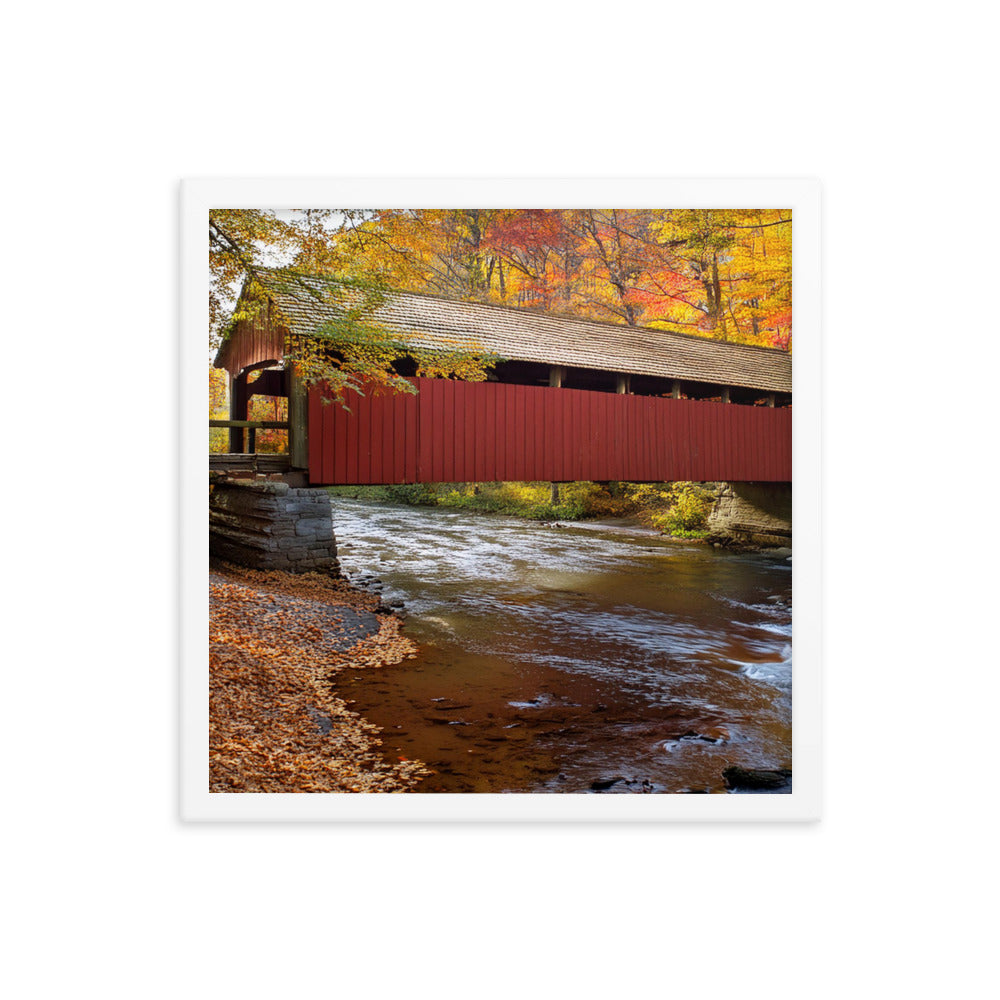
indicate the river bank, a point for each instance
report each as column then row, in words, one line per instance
column 679, row 510
column 276, row 644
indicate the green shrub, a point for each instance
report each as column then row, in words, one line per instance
column 678, row 509
column 687, row 514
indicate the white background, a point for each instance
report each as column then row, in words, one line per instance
column 891, row 107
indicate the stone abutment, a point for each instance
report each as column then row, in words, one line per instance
column 753, row 513
column 270, row 525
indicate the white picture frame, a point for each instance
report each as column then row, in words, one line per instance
column 802, row 196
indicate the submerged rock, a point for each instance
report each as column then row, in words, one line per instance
column 603, row 784
column 756, row 778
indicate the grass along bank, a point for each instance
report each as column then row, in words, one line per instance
column 677, row 509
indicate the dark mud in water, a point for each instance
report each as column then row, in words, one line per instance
column 583, row 658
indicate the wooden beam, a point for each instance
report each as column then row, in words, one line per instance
column 237, row 412
column 270, row 425
column 725, row 394
column 675, row 392
column 298, row 421
column 556, row 375
column 622, row 384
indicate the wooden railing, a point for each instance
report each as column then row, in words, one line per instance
column 251, row 426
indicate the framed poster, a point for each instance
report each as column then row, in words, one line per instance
column 500, row 500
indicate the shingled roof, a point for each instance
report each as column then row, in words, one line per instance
column 428, row 321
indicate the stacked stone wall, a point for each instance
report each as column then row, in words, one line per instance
column 269, row 525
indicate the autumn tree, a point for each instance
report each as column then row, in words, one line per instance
column 721, row 273
column 305, row 253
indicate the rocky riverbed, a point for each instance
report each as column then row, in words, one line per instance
column 276, row 644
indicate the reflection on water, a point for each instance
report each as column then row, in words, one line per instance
column 557, row 658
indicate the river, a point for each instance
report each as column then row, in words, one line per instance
column 574, row 658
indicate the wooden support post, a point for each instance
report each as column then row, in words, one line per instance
column 725, row 394
column 556, row 375
column 237, row 411
column 298, row 422
column 770, row 400
column 675, row 392
column 622, row 385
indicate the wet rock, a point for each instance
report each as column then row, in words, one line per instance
column 324, row 723
column 712, row 734
column 603, row 784
column 756, row 779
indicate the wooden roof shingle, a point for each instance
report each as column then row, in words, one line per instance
column 428, row 321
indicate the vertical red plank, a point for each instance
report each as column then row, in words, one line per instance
column 498, row 392
column 686, row 445
column 662, row 451
column 364, row 411
column 513, row 421
column 643, row 405
column 387, row 450
column 717, row 447
column 396, row 449
column 787, row 420
column 588, row 444
column 375, row 470
column 517, row 433
column 758, row 431
column 580, row 430
column 552, row 439
column 447, row 431
column 536, row 432
column 670, row 411
column 423, row 431
column 440, row 429
column 632, row 430
column 624, row 434
column 717, row 431
column 460, row 399
column 642, row 446
column 329, row 412
column 487, row 434
column 573, row 414
column 477, row 430
column 336, row 442
column 411, row 437
column 599, row 438
column 529, row 400
column 635, row 423
column 639, row 436
column 560, row 439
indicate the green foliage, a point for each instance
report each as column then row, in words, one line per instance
column 687, row 512
column 678, row 509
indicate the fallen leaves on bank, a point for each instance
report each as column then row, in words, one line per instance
column 276, row 643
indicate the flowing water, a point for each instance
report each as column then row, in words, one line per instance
column 564, row 658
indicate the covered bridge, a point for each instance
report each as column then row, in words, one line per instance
column 572, row 399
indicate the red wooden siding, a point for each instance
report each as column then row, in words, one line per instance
column 488, row 431
column 251, row 342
